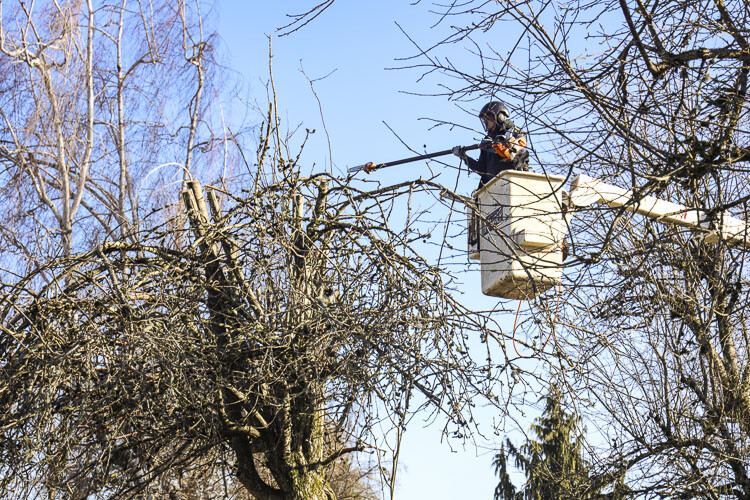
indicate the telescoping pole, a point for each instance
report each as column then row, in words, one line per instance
column 370, row 167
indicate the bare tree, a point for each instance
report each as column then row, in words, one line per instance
column 651, row 335
column 90, row 110
column 297, row 321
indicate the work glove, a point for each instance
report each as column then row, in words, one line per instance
column 459, row 151
column 521, row 159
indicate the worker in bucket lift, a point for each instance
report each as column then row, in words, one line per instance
column 504, row 148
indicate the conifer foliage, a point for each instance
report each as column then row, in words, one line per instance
column 553, row 463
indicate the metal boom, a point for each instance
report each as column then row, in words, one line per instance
column 585, row 191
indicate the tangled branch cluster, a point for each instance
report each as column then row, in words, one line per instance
column 280, row 333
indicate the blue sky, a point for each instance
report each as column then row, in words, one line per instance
column 347, row 51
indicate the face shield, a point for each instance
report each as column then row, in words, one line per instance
column 488, row 123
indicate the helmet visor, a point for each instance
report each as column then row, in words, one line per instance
column 488, row 122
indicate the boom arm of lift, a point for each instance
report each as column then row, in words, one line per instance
column 585, row 191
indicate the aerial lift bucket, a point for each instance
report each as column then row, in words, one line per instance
column 518, row 233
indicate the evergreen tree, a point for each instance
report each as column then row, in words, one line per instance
column 553, row 464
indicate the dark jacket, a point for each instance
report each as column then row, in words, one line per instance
column 491, row 163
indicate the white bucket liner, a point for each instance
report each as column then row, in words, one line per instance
column 521, row 230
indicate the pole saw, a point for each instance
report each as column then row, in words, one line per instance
column 371, row 167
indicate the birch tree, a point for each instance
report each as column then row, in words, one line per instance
column 97, row 96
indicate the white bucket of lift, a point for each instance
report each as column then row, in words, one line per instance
column 522, row 227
